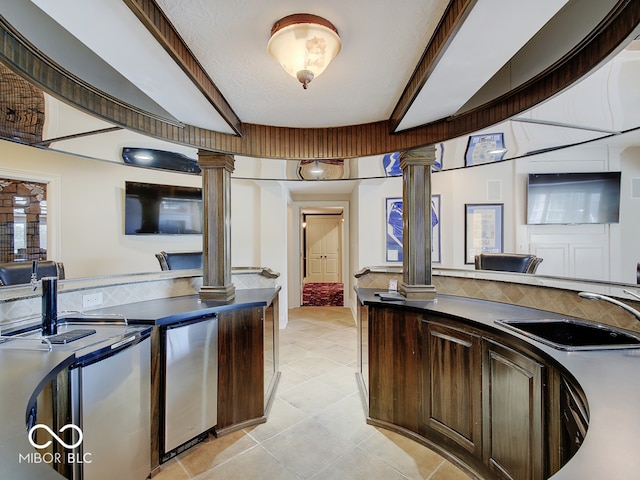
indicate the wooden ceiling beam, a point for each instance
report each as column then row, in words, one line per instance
column 453, row 18
column 154, row 19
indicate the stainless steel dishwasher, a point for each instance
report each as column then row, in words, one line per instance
column 110, row 392
column 191, row 382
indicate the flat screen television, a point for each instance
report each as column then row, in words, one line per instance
column 153, row 209
column 573, row 198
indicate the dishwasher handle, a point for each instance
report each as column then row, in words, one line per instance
column 191, row 321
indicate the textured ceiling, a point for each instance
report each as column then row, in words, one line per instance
column 382, row 47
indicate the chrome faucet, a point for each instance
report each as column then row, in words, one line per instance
column 624, row 306
column 34, row 275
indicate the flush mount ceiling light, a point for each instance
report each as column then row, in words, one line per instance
column 304, row 45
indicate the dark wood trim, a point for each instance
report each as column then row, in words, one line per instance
column 157, row 400
column 47, row 142
column 297, row 18
column 266, row 141
column 241, row 399
column 163, row 31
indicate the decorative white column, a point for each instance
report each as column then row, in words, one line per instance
column 216, row 238
column 416, row 223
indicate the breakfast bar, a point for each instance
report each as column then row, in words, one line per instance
column 445, row 373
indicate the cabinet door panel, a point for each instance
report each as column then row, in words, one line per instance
column 512, row 405
column 395, row 356
column 240, row 366
column 453, row 384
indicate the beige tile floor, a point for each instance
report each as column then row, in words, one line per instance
column 316, row 428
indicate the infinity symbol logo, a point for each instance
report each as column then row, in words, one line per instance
column 52, row 433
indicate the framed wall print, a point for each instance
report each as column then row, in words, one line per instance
column 435, row 229
column 484, row 232
column 393, row 227
column 391, row 162
column 485, row 148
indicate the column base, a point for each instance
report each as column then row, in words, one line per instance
column 222, row 293
column 417, row 292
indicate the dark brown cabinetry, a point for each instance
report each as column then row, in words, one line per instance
column 395, row 350
column 512, row 405
column 240, row 367
column 459, row 390
column 452, row 386
column 247, row 366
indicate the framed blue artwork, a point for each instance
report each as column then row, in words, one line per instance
column 485, row 148
column 393, row 225
column 391, row 162
column 435, row 229
column 439, row 161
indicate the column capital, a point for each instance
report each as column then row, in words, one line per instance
column 418, row 156
column 207, row 159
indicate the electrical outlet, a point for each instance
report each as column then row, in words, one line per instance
column 92, row 300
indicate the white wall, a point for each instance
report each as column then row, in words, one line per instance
column 577, row 251
column 600, row 252
column 370, row 220
column 272, row 239
column 246, row 212
column 87, row 211
column 86, row 208
column 629, row 253
column 488, row 184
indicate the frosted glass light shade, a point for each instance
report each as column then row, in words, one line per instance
column 304, row 45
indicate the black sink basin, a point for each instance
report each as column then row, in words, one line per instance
column 565, row 334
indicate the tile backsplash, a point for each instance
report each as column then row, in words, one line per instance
column 22, row 305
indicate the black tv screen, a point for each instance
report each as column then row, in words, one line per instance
column 162, row 209
column 573, row 198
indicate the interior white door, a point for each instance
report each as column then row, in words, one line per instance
column 323, row 234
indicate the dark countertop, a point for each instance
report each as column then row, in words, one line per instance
column 167, row 311
column 25, row 372
column 610, row 380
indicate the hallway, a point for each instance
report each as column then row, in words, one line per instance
column 316, row 429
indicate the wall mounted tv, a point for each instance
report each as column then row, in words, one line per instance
column 162, row 209
column 573, row 198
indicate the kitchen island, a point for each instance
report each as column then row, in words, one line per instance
column 247, row 360
column 445, row 374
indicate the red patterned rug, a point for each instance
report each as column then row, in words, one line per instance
column 323, row 294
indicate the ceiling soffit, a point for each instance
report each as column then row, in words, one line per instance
column 338, row 142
